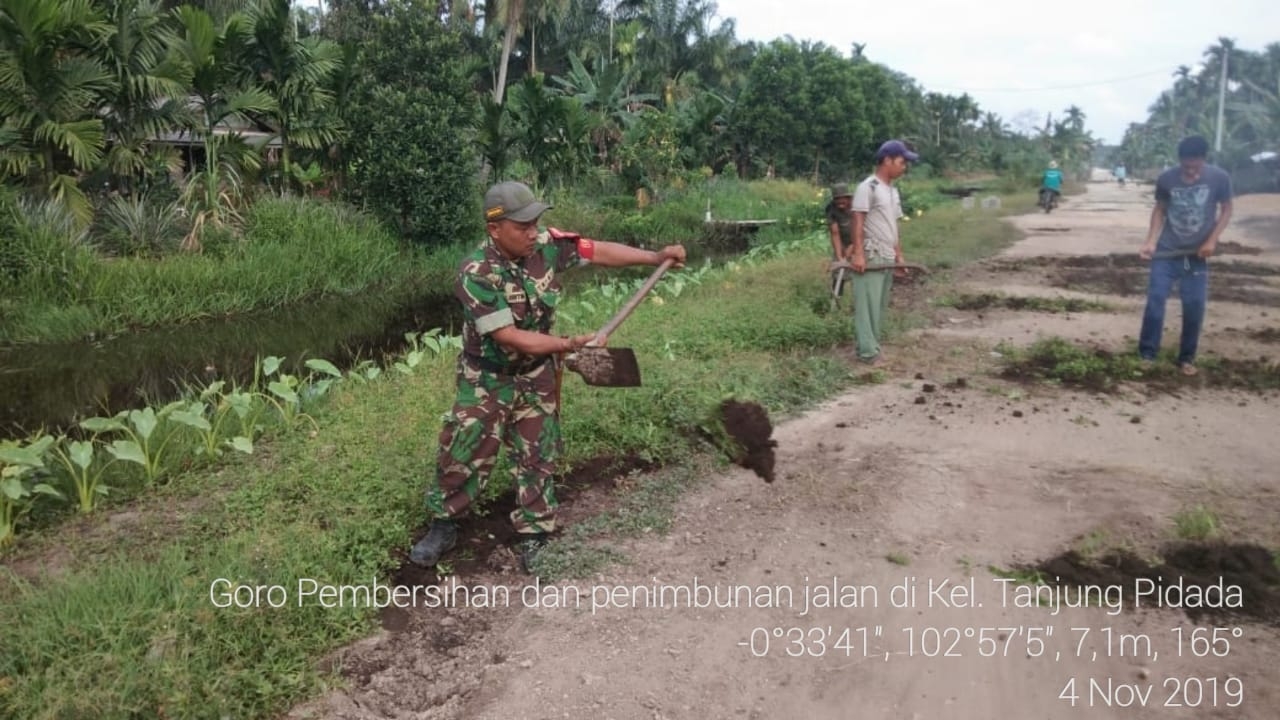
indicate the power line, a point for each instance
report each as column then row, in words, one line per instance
column 1164, row 71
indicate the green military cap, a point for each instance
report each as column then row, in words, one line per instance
column 840, row 190
column 512, row 201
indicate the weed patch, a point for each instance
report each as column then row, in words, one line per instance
column 1061, row 361
column 983, row 301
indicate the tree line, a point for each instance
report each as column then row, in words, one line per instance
column 402, row 106
column 1250, row 112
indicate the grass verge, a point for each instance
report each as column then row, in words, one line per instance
column 292, row 249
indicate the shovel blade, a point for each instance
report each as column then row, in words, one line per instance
column 606, row 367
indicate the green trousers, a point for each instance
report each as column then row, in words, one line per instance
column 870, row 307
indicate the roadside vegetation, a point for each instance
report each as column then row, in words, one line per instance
column 320, row 476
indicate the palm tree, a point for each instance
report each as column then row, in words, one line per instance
column 296, row 74
column 677, row 39
column 50, row 87
column 148, row 93
column 1075, row 119
column 540, row 12
column 219, row 92
column 510, row 15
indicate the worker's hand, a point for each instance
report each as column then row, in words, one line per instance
column 899, row 272
column 672, row 252
column 578, row 342
column 1147, row 250
column 1206, row 250
column 859, row 262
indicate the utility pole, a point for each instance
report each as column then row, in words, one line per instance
column 1222, row 97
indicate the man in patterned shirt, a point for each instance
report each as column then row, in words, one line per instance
column 506, row 377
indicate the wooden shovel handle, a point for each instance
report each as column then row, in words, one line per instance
column 633, row 303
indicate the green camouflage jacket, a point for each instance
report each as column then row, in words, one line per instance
column 496, row 292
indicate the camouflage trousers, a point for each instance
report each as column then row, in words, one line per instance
column 493, row 410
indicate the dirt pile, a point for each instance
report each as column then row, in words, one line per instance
column 752, row 446
column 1197, row 568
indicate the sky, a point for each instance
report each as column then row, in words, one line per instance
column 1025, row 59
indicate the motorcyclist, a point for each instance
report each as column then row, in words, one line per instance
column 1119, row 174
column 1052, row 182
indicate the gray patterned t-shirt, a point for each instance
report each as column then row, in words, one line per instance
column 1191, row 209
column 883, row 206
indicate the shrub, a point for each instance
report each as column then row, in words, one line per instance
column 139, row 225
column 412, row 163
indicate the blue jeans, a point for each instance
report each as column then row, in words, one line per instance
column 1192, row 275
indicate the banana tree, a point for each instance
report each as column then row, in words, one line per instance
column 605, row 92
column 51, row 84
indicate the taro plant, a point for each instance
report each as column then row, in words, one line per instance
column 365, row 371
column 143, row 446
column 208, row 415
column 282, row 393
column 20, row 484
column 423, row 344
column 317, row 388
column 77, row 458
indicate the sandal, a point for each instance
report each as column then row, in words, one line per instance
column 1188, row 369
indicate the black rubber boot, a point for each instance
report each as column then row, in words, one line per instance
column 440, row 539
column 530, row 548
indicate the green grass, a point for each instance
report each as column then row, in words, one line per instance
column 291, row 250
column 898, row 558
column 1061, row 361
column 1022, row 576
column 1197, row 523
column 124, row 625
column 948, row 235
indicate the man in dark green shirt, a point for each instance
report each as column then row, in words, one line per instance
column 506, row 390
column 840, row 220
column 839, row 215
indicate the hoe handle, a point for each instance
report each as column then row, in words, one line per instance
column 633, row 303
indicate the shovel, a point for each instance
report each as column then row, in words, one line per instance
column 614, row 367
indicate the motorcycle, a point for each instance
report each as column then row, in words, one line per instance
column 1048, row 200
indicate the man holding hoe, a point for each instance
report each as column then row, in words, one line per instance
column 876, row 209
column 506, row 378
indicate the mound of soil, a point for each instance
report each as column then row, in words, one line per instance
column 748, row 425
column 487, row 542
column 1195, row 567
column 1266, row 335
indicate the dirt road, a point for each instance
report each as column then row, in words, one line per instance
column 940, row 480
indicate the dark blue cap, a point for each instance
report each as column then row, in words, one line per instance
column 896, row 148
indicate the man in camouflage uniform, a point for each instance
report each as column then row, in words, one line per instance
column 509, row 289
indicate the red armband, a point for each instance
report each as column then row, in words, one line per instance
column 586, row 246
